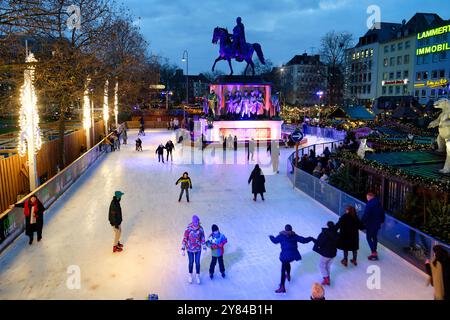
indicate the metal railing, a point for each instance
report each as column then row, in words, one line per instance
column 409, row 243
column 12, row 222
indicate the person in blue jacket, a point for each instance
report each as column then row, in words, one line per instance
column 372, row 219
column 289, row 252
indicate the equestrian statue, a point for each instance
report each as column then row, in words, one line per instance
column 234, row 46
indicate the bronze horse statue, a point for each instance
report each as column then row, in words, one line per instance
column 227, row 52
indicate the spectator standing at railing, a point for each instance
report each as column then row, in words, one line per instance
column 372, row 219
column 34, row 217
column 439, row 272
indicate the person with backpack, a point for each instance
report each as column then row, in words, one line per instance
column 216, row 241
column 186, row 184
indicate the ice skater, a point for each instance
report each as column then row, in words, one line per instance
column 372, row 219
column 186, row 184
column 326, row 246
column 160, row 152
column 115, row 219
column 251, row 149
column 348, row 227
column 216, row 241
column 170, row 147
column 258, row 182
column 193, row 241
column 34, row 217
column 138, row 144
column 289, row 253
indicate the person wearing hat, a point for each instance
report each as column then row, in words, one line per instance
column 115, row 219
column 216, row 241
column 289, row 252
column 193, row 241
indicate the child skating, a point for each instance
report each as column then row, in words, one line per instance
column 138, row 144
column 186, row 184
column 216, row 241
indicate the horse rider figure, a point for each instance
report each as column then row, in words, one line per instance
column 239, row 38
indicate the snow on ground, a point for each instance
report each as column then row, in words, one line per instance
column 77, row 233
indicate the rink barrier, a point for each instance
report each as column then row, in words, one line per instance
column 12, row 222
column 409, row 243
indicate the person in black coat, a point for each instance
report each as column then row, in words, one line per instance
column 235, row 143
column 258, row 182
column 439, row 272
column 115, row 219
column 34, row 217
column 326, row 246
column 170, row 147
column 160, row 152
column 372, row 219
column 289, row 252
column 348, row 227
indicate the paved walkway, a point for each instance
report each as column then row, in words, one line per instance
column 77, row 233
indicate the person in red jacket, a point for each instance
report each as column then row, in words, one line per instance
column 34, row 217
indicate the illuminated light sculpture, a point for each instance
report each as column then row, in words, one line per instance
column 87, row 119
column 106, row 107
column 30, row 135
column 116, row 104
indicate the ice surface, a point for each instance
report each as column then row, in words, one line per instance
column 77, row 233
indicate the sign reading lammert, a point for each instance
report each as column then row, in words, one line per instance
column 437, row 47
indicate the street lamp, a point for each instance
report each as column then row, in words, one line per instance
column 185, row 58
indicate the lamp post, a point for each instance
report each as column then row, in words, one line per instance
column 185, row 58
column 30, row 139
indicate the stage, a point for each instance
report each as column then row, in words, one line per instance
column 242, row 129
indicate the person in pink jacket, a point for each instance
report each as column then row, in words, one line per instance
column 193, row 241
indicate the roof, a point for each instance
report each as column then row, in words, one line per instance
column 386, row 32
column 359, row 113
column 305, row 59
column 405, row 111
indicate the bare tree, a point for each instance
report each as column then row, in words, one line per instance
column 333, row 47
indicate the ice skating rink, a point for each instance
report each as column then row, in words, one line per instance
column 77, row 233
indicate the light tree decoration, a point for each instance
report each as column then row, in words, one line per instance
column 116, row 104
column 30, row 135
column 106, row 107
column 87, row 119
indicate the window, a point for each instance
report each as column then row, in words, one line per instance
column 365, row 77
column 367, row 53
column 392, row 62
column 364, row 89
column 385, row 76
column 399, row 60
column 397, row 90
column 400, row 46
column 391, row 90
column 407, row 44
column 386, row 49
column 425, row 75
column 369, row 77
column 434, row 74
column 368, row 89
column 391, row 76
column 406, row 59
column 426, row 58
column 442, row 73
column 433, row 93
column 405, row 90
column 371, row 52
column 399, row 75
column 419, row 60
column 392, row 47
column 416, row 93
column 357, row 55
column 386, row 62
column 405, row 74
column 424, row 93
column 436, row 57
column 419, row 76
column 384, row 90
column 443, row 56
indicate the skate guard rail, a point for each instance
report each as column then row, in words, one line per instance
column 409, row 243
column 12, row 222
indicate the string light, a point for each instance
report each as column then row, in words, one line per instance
column 87, row 121
column 30, row 134
column 116, row 102
column 106, row 107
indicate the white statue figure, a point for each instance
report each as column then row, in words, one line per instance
column 363, row 148
column 443, row 121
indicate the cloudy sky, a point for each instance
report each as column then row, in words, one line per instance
column 283, row 27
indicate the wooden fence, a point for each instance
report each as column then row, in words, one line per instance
column 14, row 170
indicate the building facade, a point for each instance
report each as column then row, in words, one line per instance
column 432, row 63
column 362, row 61
column 304, row 80
column 198, row 87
